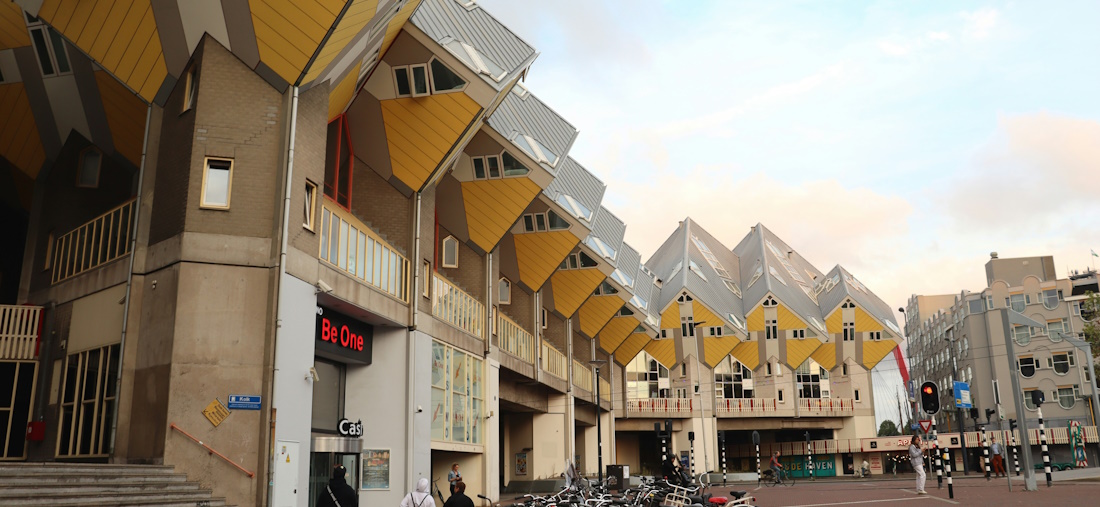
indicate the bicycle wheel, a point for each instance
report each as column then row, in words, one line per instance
column 788, row 479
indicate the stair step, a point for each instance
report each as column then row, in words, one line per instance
column 38, row 477
column 191, row 498
column 119, row 502
column 99, row 485
column 59, row 465
column 34, row 489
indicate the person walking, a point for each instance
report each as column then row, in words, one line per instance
column 459, row 498
column 421, row 497
column 998, row 457
column 337, row 493
column 453, row 477
column 916, row 457
column 776, row 467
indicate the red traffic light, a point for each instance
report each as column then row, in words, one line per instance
column 927, row 390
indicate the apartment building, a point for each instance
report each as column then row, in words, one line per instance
column 310, row 233
column 962, row 337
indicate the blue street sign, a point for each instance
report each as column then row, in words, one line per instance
column 243, row 402
column 914, row 426
column 962, row 395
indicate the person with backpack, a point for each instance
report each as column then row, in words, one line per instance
column 338, row 493
column 420, row 497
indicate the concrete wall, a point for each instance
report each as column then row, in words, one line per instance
column 292, row 391
column 548, row 455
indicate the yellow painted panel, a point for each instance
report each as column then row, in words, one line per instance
column 788, row 320
column 82, row 17
column 357, row 17
column 631, row 347
column 420, row 131
column 664, row 351
column 799, row 350
column 825, row 355
column 572, row 287
column 13, row 30
column 109, row 30
column 136, row 46
column 703, row 316
column 125, row 116
column 155, row 79
column 596, row 311
column 19, row 141
column 492, row 206
column 835, row 322
column 670, row 318
column 874, row 351
column 286, row 66
column 865, row 322
column 288, row 32
column 94, row 25
column 715, row 348
column 748, row 353
column 396, row 23
column 342, row 93
column 755, row 320
column 539, row 254
column 616, row 331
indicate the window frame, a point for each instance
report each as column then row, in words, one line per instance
column 190, row 89
column 310, row 208
column 449, row 240
column 1069, row 362
column 426, row 268
column 229, row 187
column 408, row 81
column 1034, row 366
column 1047, row 297
column 504, row 287
column 545, row 317
column 412, row 80
column 80, row 167
column 51, row 47
column 1072, row 397
column 431, row 78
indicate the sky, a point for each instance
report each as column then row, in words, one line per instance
column 903, row 140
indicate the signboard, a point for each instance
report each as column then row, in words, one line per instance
column 347, row 428
column 962, row 395
column 244, row 402
column 798, row 466
column 925, row 425
column 521, row 463
column 376, row 469
column 215, row 412
column 342, row 338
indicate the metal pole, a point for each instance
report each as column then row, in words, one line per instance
column 1015, row 451
column 691, row 452
column 1018, row 398
column 939, row 463
column 1043, row 446
column 599, row 431
column 985, row 452
column 810, row 450
column 947, row 468
column 958, row 409
column 722, row 450
column 758, row 476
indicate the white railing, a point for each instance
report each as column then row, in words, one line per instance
column 605, row 390
column 737, row 406
column 553, row 362
column 457, row 308
column 825, row 405
column 19, row 331
column 513, row 339
column 582, row 376
column 660, row 405
column 93, row 244
column 352, row 247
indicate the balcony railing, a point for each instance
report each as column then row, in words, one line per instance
column 352, row 247
column 97, row 242
column 457, row 308
column 513, row 339
column 19, row 331
column 605, row 390
column 825, row 405
column 582, row 376
column 738, row 406
column 660, row 405
column 553, row 362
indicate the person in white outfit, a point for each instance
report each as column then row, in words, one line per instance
column 422, row 497
column 916, row 457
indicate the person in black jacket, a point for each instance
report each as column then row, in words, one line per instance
column 338, row 493
column 459, row 498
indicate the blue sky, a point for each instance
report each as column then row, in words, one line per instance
column 904, row 140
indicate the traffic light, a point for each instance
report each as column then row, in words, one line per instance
column 1037, row 397
column 930, row 398
column 1011, row 424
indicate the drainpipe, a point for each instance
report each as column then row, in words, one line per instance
column 488, row 301
column 130, row 278
column 410, row 342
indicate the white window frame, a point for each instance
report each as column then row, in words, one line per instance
column 1034, row 366
column 485, row 163
column 427, row 80
column 874, row 335
column 504, row 291
column 426, row 270
column 771, row 329
column 779, row 396
column 51, row 49
column 229, row 187
column 545, row 316
column 1052, row 363
column 310, row 208
column 431, row 78
column 856, row 396
column 1072, row 397
column 798, row 333
column 449, row 240
column 848, row 331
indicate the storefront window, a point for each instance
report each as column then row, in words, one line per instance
column 457, row 395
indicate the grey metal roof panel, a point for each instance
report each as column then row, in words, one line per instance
column 578, row 183
column 776, row 278
column 440, row 19
column 610, row 229
column 629, row 264
column 713, row 291
column 663, row 263
column 830, row 299
column 528, row 115
column 866, row 299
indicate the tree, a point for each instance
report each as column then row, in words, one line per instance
column 888, row 429
column 1090, row 312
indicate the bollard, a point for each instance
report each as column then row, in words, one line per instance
column 722, row 453
column 985, row 452
column 935, row 451
column 810, row 451
column 1043, row 446
column 758, row 476
column 691, row 452
column 947, row 468
column 1015, row 452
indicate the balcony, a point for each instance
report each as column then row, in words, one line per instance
column 659, row 407
column 582, row 376
column 350, row 246
column 826, row 406
column 513, row 339
column 457, row 308
column 605, row 390
column 746, row 407
column 553, row 362
column 19, row 331
column 100, row 240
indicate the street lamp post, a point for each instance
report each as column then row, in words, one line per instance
column 599, row 426
column 958, row 410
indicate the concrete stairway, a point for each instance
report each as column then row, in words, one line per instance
column 99, row 485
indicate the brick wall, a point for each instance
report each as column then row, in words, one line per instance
column 427, row 240
column 555, row 332
column 521, row 308
column 470, row 273
column 309, row 164
column 383, row 208
column 173, row 166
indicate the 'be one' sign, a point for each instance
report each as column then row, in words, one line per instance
column 340, row 335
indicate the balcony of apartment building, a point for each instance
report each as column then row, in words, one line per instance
column 516, row 344
column 660, row 408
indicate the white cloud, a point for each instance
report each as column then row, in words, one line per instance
column 939, row 36
column 980, row 23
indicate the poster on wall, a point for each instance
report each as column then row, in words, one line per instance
column 521, row 463
column 376, row 469
column 824, row 465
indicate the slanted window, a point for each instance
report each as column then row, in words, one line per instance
column 444, row 79
column 450, row 252
column 798, row 333
column 605, row 289
column 504, row 291
column 425, row 280
column 401, row 81
column 771, row 329
column 87, row 175
column 1050, row 299
column 557, row 223
column 1061, row 362
column 1027, row 367
column 512, row 167
column 339, row 162
column 217, row 183
column 487, row 167
column 874, row 335
column 52, row 57
column 732, row 287
column 578, row 260
column 543, row 319
column 694, row 268
column 769, row 302
column 309, row 213
column 849, row 331
column 190, row 88
column 624, row 312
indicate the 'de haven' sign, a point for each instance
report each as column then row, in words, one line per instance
column 341, row 337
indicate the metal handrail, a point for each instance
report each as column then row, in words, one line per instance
column 212, row 451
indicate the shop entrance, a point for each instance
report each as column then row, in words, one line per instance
column 327, row 452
